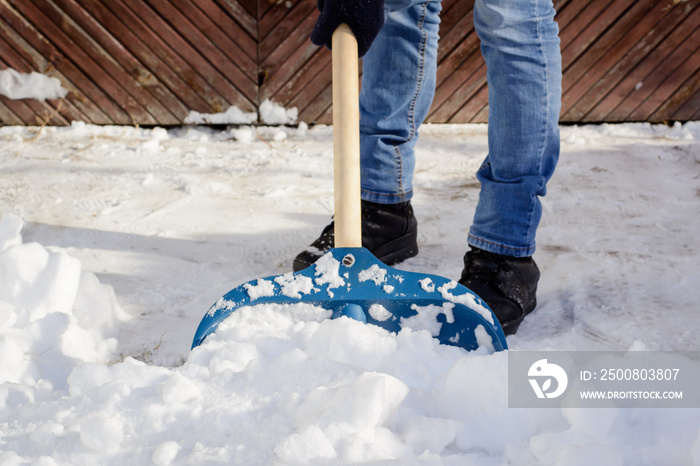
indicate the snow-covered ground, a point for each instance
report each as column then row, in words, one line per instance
column 115, row 241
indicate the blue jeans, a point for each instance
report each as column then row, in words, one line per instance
column 520, row 44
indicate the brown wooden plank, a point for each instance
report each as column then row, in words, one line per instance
column 447, row 6
column 201, row 78
column 295, row 26
column 690, row 109
column 626, row 53
column 119, row 63
column 21, row 111
column 320, row 110
column 87, row 97
column 326, row 118
column 161, row 95
column 315, row 72
column 48, row 112
column 181, row 35
column 459, row 87
column 271, row 14
column 651, row 51
column 18, row 109
column 458, row 43
column 173, row 53
column 660, row 85
column 212, row 43
column 482, row 116
column 97, row 65
column 456, row 24
column 559, row 5
column 696, row 105
column 151, row 51
column 580, row 53
column 90, row 71
column 464, row 56
column 19, row 55
column 609, row 47
column 244, row 12
column 472, row 106
column 7, row 116
column 314, row 86
column 225, row 19
column 673, row 91
column 28, row 59
column 263, row 7
column 297, row 49
column 32, row 112
column 575, row 28
column 571, row 20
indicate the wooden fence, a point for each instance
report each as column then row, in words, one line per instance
column 152, row 62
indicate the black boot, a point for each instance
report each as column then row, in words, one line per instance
column 507, row 284
column 389, row 231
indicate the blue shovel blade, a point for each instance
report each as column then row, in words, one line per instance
column 352, row 282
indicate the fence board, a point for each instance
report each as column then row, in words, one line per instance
column 118, row 63
column 212, row 52
column 244, row 12
column 88, row 97
column 153, row 61
column 614, row 46
column 651, row 52
column 674, row 86
column 71, row 41
column 239, row 34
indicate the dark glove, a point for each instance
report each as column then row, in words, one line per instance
column 364, row 17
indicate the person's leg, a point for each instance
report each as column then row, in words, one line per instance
column 520, row 43
column 398, row 85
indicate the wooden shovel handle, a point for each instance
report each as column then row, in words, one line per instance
column 346, row 139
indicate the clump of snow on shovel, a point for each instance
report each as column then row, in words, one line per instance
column 467, row 299
column 328, row 271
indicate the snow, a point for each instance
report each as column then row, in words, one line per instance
column 233, row 115
column 374, row 273
column 15, row 85
column 272, row 113
column 114, row 241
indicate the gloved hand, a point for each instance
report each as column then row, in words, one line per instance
column 364, row 17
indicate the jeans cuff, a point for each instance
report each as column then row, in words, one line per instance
column 498, row 248
column 385, row 198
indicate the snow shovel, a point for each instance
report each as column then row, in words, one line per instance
column 348, row 280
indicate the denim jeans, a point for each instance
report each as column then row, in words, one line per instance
column 520, row 44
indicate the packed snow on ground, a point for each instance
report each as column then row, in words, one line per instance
column 116, row 240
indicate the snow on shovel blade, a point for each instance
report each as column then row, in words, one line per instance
column 352, row 282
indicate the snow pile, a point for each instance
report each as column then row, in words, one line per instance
column 232, row 116
column 16, row 85
column 171, row 220
column 53, row 315
column 274, row 114
column 285, row 385
column 271, row 113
